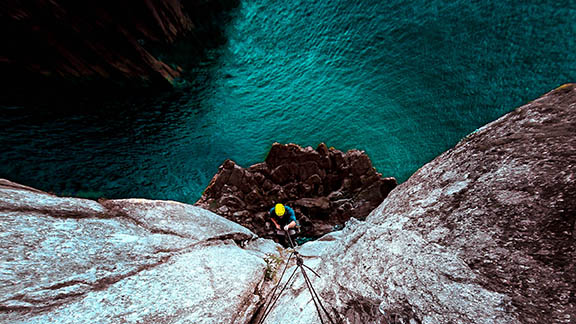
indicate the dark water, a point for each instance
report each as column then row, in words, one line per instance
column 403, row 80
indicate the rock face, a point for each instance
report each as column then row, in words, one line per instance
column 67, row 260
column 75, row 43
column 324, row 186
column 485, row 233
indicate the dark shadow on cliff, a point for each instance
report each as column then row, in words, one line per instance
column 57, row 49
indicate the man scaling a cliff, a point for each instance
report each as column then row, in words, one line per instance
column 285, row 221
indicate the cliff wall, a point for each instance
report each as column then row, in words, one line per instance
column 65, row 43
column 70, row 260
column 485, row 233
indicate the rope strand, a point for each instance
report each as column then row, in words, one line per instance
column 299, row 265
column 315, row 294
column 276, row 287
column 307, row 267
column 277, row 297
column 290, row 239
column 309, row 285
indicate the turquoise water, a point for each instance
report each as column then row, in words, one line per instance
column 403, row 81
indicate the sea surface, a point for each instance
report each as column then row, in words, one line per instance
column 402, row 80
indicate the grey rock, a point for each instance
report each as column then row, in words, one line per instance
column 502, row 204
column 485, row 233
column 178, row 219
column 264, row 247
column 20, row 198
column 193, row 287
column 7, row 184
column 68, row 260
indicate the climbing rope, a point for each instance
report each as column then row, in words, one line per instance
column 300, row 265
column 271, row 304
column 314, row 294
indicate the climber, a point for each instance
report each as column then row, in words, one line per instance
column 285, row 221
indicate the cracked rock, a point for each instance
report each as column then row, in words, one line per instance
column 482, row 234
column 68, row 260
column 306, row 179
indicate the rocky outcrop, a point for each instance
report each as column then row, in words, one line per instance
column 68, row 260
column 94, row 43
column 324, row 186
column 485, row 233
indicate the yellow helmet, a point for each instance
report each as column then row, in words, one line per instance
column 279, row 209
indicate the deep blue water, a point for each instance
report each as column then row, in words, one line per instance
column 402, row 80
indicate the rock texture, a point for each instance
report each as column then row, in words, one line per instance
column 75, row 43
column 67, row 260
column 295, row 304
column 324, row 186
column 485, row 233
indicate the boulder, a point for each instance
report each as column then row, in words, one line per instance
column 304, row 178
column 485, row 233
column 69, row 260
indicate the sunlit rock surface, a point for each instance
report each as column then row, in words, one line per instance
column 482, row 234
column 68, row 260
